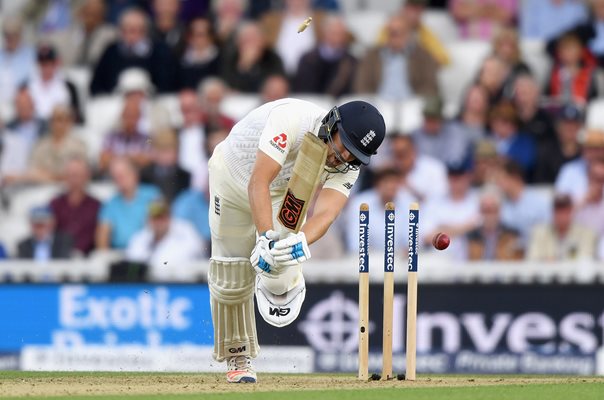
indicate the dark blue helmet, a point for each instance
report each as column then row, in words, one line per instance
column 361, row 128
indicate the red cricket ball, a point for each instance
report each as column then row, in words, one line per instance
column 441, row 241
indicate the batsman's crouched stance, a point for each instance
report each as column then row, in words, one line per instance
column 252, row 251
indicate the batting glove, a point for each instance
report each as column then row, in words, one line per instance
column 292, row 250
column 261, row 258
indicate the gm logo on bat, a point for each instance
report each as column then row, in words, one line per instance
column 291, row 210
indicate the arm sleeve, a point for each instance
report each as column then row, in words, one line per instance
column 278, row 135
column 343, row 183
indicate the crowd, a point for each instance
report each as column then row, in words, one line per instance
column 512, row 174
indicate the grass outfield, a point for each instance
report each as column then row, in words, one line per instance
column 160, row 386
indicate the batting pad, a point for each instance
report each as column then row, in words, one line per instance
column 231, row 282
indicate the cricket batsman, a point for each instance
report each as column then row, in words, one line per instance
column 251, row 252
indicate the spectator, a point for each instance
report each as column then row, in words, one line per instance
column 480, row 19
column 245, row 68
column 523, row 207
column 275, row 87
column 386, row 189
column 84, row 41
column 192, row 155
column 127, row 141
column 486, row 163
column 17, row 60
column 125, row 213
column 201, row 57
column 572, row 178
column 212, row 92
column 214, row 138
column 551, row 155
column 134, row 49
column 75, row 211
column 563, row 239
column 493, row 77
column 590, row 211
column 436, row 138
column 134, row 85
column 413, row 11
column 572, row 79
column 25, row 124
column 472, row 119
column 328, row 68
column 14, row 159
column 457, row 213
column 423, row 176
column 49, row 16
column 281, row 27
column 398, row 70
column 546, row 19
column 493, row 240
column 52, row 152
column 164, row 172
column 192, row 206
column 509, row 141
column 44, row 244
column 534, row 120
column 507, row 49
column 49, row 88
column 594, row 32
column 228, row 16
column 164, row 241
column 167, row 28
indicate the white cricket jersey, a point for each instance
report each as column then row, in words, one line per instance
column 277, row 128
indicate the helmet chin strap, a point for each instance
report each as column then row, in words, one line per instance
column 343, row 166
column 328, row 126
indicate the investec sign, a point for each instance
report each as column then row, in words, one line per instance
column 465, row 321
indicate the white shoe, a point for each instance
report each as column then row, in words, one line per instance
column 240, row 370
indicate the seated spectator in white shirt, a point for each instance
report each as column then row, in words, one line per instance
column 17, row 60
column 563, row 239
column 14, row 157
column 386, row 190
column 25, row 124
column 456, row 214
column 164, row 241
column 282, row 32
column 127, row 141
column 523, row 207
column 437, row 139
column 192, row 155
column 590, row 210
column 49, row 87
column 572, row 178
column 423, row 176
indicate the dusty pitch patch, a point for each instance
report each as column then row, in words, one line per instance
column 140, row 383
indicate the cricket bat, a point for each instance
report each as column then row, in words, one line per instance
column 303, row 183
